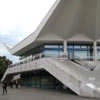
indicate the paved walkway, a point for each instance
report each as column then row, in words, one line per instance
column 39, row 94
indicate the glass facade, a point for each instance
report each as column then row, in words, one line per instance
column 80, row 51
column 84, row 52
column 53, row 50
column 75, row 50
column 41, row 79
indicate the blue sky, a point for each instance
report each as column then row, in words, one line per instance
column 18, row 19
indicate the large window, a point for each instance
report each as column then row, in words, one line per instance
column 79, row 51
column 53, row 50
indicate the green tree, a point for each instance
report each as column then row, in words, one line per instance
column 4, row 63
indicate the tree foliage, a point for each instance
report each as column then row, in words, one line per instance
column 4, row 63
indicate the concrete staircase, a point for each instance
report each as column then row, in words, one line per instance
column 83, row 82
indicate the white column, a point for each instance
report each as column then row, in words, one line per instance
column 65, row 47
column 95, row 52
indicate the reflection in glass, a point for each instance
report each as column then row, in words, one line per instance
column 53, row 50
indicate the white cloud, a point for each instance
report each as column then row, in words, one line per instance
column 19, row 18
column 4, row 52
column 24, row 13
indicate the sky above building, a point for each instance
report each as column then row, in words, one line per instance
column 18, row 19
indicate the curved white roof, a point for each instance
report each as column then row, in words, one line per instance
column 67, row 19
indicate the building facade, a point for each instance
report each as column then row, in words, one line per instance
column 64, row 51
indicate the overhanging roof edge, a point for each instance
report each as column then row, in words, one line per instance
column 32, row 37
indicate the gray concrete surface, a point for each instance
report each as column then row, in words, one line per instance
column 40, row 94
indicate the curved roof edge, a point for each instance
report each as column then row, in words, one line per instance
column 32, row 37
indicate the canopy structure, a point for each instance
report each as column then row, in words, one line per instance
column 72, row 20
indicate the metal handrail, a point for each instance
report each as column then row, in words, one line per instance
column 27, row 60
column 75, row 59
column 80, row 62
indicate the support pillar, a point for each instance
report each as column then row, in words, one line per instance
column 65, row 48
column 95, row 52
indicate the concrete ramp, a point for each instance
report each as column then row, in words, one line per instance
column 80, row 80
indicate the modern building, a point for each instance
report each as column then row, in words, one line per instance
column 64, row 51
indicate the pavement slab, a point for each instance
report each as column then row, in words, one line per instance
column 40, row 94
